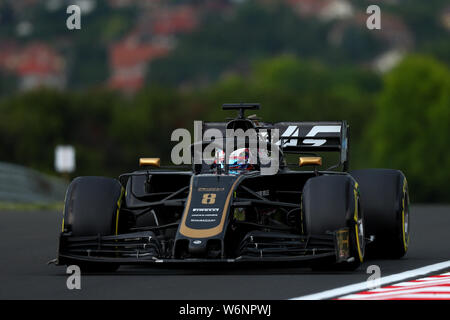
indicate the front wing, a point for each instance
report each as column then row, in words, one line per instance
column 257, row 246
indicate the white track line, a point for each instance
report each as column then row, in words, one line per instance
column 362, row 286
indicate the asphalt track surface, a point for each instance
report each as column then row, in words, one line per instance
column 29, row 239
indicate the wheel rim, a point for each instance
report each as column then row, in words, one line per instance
column 359, row 227
column 405, row 217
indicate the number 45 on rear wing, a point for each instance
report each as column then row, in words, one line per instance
column 301, row 137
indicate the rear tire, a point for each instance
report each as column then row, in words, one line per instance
column 91, row 208
column 330, row 203
column 385, row 201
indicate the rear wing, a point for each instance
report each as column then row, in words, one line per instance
column 299, row 137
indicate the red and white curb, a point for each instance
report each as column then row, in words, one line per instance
column 429, row 288
column 361, row 287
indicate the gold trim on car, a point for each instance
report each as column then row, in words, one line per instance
column 154, row 162
column 205, row 233
column 307, row 161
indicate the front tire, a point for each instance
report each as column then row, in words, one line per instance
column 91, row 208
column 330, row 203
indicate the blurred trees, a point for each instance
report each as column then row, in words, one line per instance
column 32, row 124
column 399, row 121
column 86, row 52
column 256, row 31
column 410, row 128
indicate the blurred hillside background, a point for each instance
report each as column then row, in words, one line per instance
column 138, row 69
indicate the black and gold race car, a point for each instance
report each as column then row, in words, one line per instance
column 312, row 212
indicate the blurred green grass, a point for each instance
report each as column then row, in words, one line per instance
column 17, row 206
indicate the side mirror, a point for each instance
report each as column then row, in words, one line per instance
column 154, row 162
column 309, row 161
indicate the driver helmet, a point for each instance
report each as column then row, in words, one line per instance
column 240, row 160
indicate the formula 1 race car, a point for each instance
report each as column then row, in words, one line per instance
column 223, row 209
